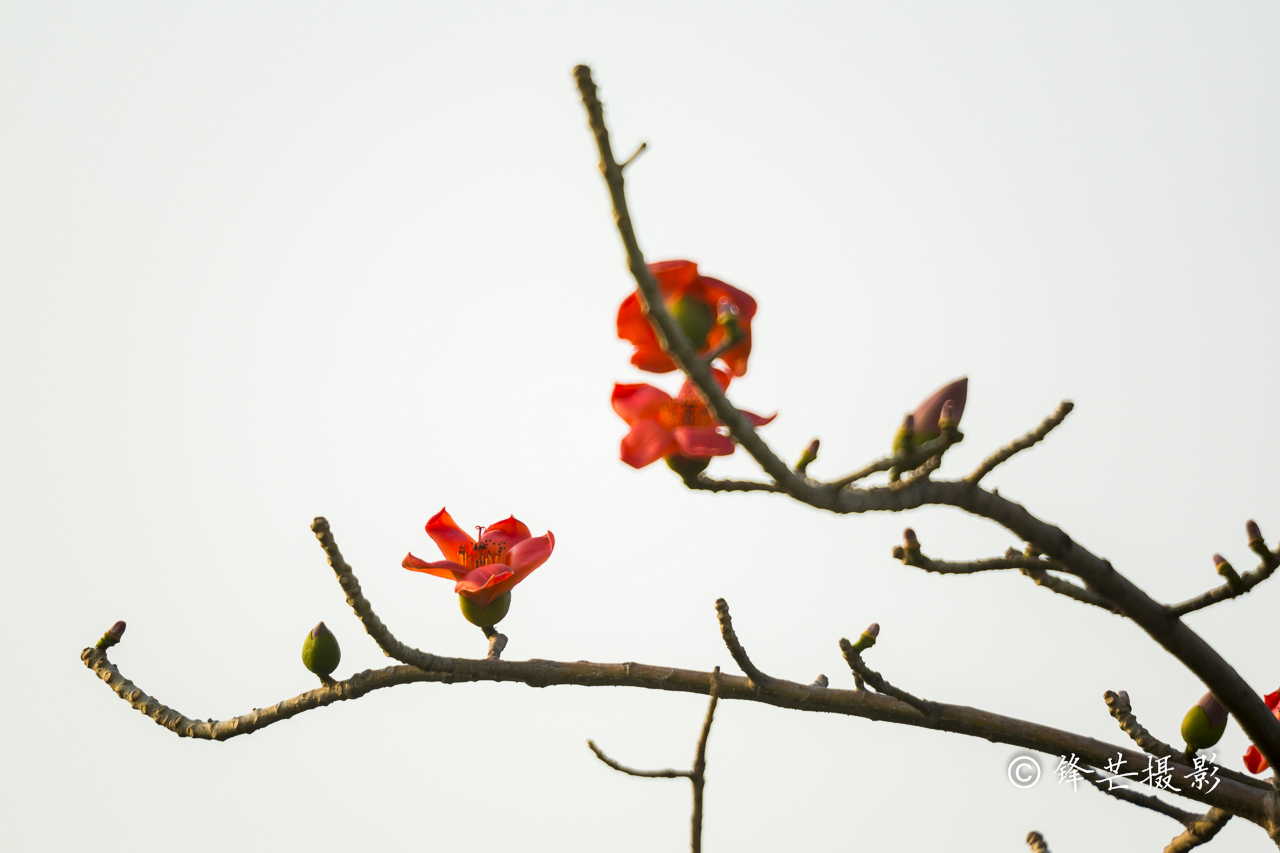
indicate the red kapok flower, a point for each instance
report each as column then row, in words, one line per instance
column 662, row 425
column 695, row 302
column 484, row 570
column 1253, row 759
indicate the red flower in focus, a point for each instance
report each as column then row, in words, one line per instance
column 694, row 301
column 662, row 425
column 1253, row 758
column 484, row 570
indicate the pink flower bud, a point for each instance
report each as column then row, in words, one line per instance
column 117, row 630
column 873, row 629
column 909, row 539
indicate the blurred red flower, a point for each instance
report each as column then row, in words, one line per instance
column 662, row 425
column 696, row 302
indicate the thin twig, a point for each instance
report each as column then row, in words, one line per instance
column 1007, row 452
column 913, row 458
column 757, row 678
column 697, row 775
column 1146, row 801
column 1036, row 842
column 706, row 484
column 854, row 658
column 1033, row 567
column 644, row 146
column 1200, row 832
column 631, row 771
column 1248, row 581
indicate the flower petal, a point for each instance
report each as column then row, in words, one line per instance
column 674, row 277
column 651, row 358
column 452, row 541
column 701, row 442
column 633, row 325
column 503, row 535
column 481, row 583
column 1254, row 761
column 757, row 420
column 716, row 290
column 442, row 569
column 526, row 557
column 647, row 442
column 1273, row 702
column 635, row 403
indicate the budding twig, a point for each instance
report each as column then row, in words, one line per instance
column 854, row 658
column 907, row 461
column 757, row 678
column 1229, row 590
column 1007, row 452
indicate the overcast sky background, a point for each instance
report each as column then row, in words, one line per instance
column 267, row 261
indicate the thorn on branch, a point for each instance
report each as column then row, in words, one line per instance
column 759, row 681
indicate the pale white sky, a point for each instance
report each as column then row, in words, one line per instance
column 267, row 261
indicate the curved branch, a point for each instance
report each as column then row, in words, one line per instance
column 706, row 484
column 1146, row 801
column 1007, row 452
column 1243, row 800
column 854, row 658
column 631, row 771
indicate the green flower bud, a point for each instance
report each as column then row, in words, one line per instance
column 695, row 317
column 113, row 635
column 868, row 637
column 1204, row 724
column 320, row 652
column 485, row 617
column 686, row 467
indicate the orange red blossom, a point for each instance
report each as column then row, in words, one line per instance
column 666, row 426
column 1253, row 759
column 483, row 570
column 696, row 302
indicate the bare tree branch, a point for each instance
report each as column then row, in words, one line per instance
column 908, row 461
column 1248, row 581
column 1146, row 801
column 697, row 775
column 877, row 682
column 757, row 678
column 1200, row 832
column 1244, row 800
column 706, row 484
column 1007, row 452
column 631, row 771
column 1098, row 574
column 1120, row 708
